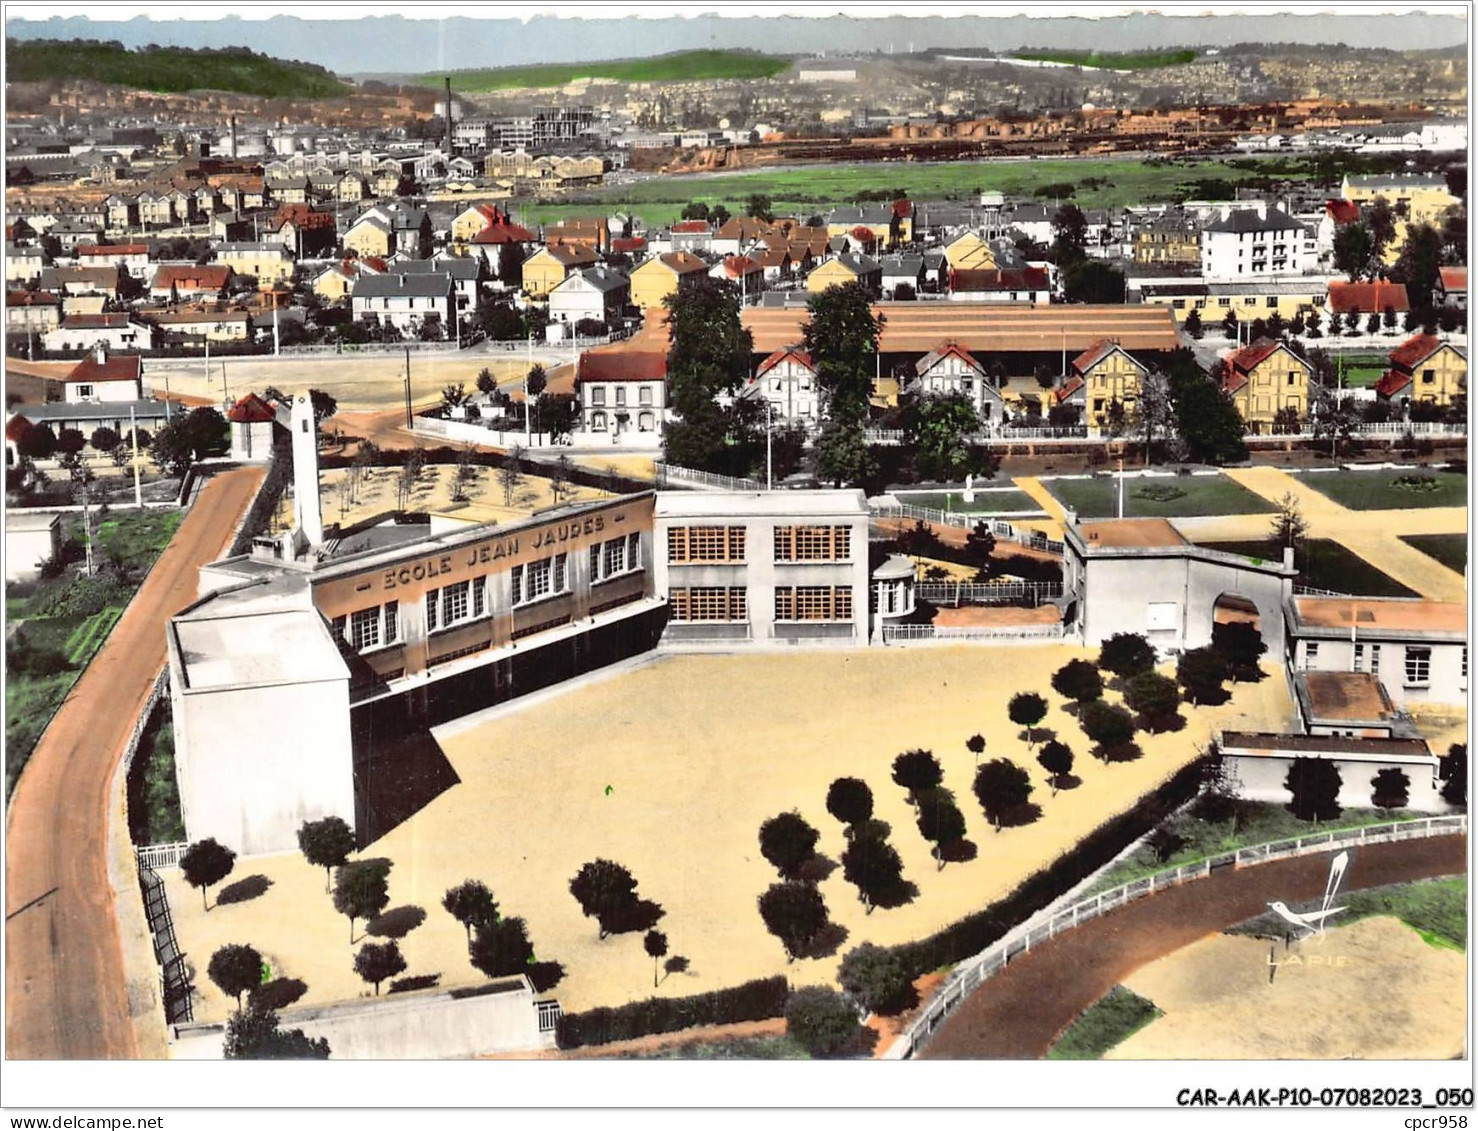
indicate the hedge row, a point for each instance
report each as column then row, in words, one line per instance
column 752, row 1001
column 974, row 933
column 279, row 471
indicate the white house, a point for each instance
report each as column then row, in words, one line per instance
column 597, row 293
column 89, row 331
column 407, row 301
column 953, row 369
column 622, row 391
column 1243, row 243
column 465, row 273
column 98, row 377
column 1258, row 764
column 786, row 380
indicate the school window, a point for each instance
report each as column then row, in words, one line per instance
column 709, row 603
column 516, row 577
column 813, row 543
column 433, row 606
column 633, row 551
column 705, row 544
column 454, row 603
column 392, row 622
column 364, row 627
column 539, row 579
column 1359, row 657
column 339, row 626
column 1311, row 656
column 1418, row 667
column 1375, row 659
column 1292, row 376
column 615, row 557
column 479, row 596
column 1224, row 302
column 813, row 603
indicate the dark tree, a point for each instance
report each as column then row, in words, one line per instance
column 103, row 439
column 1205, row 417
column 502, row 948
column 510, row 267
column 872, row 865
column 1093, row 281
column 1241, row 645
column 1315, row 784
column 841, row 337
column 1027, row 709
column 1057, row 759
column 788, row 841
column 940, row 822
column 38, row 442
column 1201, row 672
column 707, row 364
column 70, row 441
column 1454, row 773
column 377, row 961
column 794, row 912
column 605, row 891
column 471, row 903
column 361, row 891
column 235, row 969
column 876, row 979
column 916, row 771
column 980, row 544
column 1418, row 265
column 1192, row 325
column 1154, row 698
column 976, row 745
column 1391, row 789
column 935, row 429
column 1126, row 654
column 821, row 1021
column 1078, row 680
column 204, row 863
column 1106, row 725
column 253, row 1034
column 655, row 944
column 759, row 206
column 326, row 844
column 849, row 800
column 1069, row 235
column 1354, row 250
column 1001, row 786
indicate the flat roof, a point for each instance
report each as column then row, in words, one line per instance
column 222, row 646
column 26, row 521
column 918, row 327
column 1382, row 614
column 1347, row 696
column 1273, row 745
column 1130, row 532
column 847, row 503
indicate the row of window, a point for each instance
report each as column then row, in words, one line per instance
column 729, row 603
column 615, row 557
column 369, row 628
column 687, row 544
column 705, row 544
column 813, row 543
column 1417, row 668
column 645, row 421
column 598, row 395
column 813, row 602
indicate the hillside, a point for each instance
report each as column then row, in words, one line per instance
column 681, row 66
column 167, row 70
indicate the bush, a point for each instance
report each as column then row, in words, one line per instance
column 1202, row 672
column 1126, row 654
column 103, row 439
column 590, row 328
column 1079, row 680
column 821, row 1020
column 753, row 1001
column 1106, row 725
column 1154, row 698
column 788, row 841
column 876, row 979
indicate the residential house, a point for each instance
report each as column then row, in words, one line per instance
column 739, row 234
column 69, row 231
column 904, row 269
column 369, row 236
column 289, row 190
column 550, row 266
column 621, row 390
column 1005, row 284
column 156, row 210
column 598, row 293
column 406, row 301
column 351, row 188
column 193, row 327
column 743, row 271
column 952, row 369
column 22, row 264
column 81, row 280
column 99, row 377
column 89, row 331
column 132, row 257
column 1452, row 286
column 1033, row 222
column 1265, row 377
column 1425, row 195
column 1336, row 214
column 268, row 263
column 846, row 268
column 473, row 219
column 775, row 264
column 1242, row 243
column 174, row 282
column 888, row 224
column 692, row 236
column 411, row 228
column 786, row 380
column 32, row 312
column 336, row 281
column 121, row 213
column 1365, row 299
column 594, row 234
column 305, row 232
column 1106, row 374
column 664, row 275
column 968, row 252
column 465, row 273
column 1426, row 369
column 1170, row 238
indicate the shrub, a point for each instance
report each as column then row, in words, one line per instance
column 1314, row 784
column 849, row 800
column 788, row 841
column 1454, row 774
column 1241, row 646
column 605, row 891
column 1201, row 672
column 1126, row 654
column 235, row 969
column 1057, row 759
column 794, row 913
column 1027, row 709
column 1391, row 789
column 753, row 1001
column 876, row 979
column 70, row 441
column 821, row 1020
column 916, row 771
column 1078, row 680
column 1001, row 786
column 1106, row 725
column 1154, row 698
column 502, row 948
column 253, row 1034
column 103, row 439
column 872, row 865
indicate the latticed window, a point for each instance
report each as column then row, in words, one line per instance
column 539, row 578
column 454, row 603
column 633, row 551
column 516, row 578
column 615, row 556
column 433, row 607
column 709, row 603
column 392, row 622
column 364, row 628
column 479, row 596
column 813, row 543
column 1418, row 666
column 705, row 544
column 561, row 572
column 813, row 602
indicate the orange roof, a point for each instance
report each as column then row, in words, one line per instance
column 691, row 227
column 211, row 277
column 1130, row 533
column 1248, row 358
column 105, row 249
column 796, row 352
column 1367, row 298
column 1347, row 695
column 948, row 349
column 1342, row 211
column 1391, row 383
column 251, row 409
column 503, row 232
column 1093, row 354
column 739, row 266
column 127, row 368
column 1453, row 278
column 1390, row 614
column 1067, row 389
column 683, row 262
column 622, row 365
column 1415, row 350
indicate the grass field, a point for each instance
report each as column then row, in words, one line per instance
column 1362, row 370
column 1113, row 60
column 1380, row 491
column 680, row 66
column 986, row 502
column 802, row 190
column 1325, row 564
column 738, row 1048
column 1203, row 495
column 1449, row 549
column 1435, row 909
column 1112, row 1019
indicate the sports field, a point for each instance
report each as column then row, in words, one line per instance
column 1390, row 489
column 1449, row 549
column 1179, row 497
column 1324, row 564
column 669, row 769
column 985, row 502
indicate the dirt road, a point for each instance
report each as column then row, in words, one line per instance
column 1020, row 1012
column 66, row 996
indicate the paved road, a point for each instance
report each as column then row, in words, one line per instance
column 1020, row 1012
column 66, row 996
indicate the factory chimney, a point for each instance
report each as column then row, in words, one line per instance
column 307, row 505
column 233, row 137
column 449, row 117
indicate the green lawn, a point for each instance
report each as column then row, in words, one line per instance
column 986, row 502
column 735, row 1048
column 1157, row 498
column 1109, row 1021
column 1361, row 370
column 1449, row 549
column 1113, row 61
column 1435, row 909
column 1382, row 490
column 801, row 190
column 1324, row 564
column 681, row 66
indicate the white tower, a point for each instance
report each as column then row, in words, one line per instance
column 306, row 504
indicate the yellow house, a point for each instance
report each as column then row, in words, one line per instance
column 876, row 218
column 369, row 236
column 1264, row 378
column 473, row 219
column 660, row 276
column 268, row 263
column 969, row 253
column 1287, row 298
column 1425, row 368
column 1103, row 374
column 846, row 268
column 1425, row 196
column 548, row 267
column 337, row 281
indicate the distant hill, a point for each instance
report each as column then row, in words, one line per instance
column 167, row 70
column 681, row 66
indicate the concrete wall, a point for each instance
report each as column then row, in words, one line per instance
column 1260, row 778
column 252, row 794
column 1447, row 683
column 413, row 1026
column 25, row 550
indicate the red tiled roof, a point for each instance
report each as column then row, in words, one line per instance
column 691, row 227
column 1391, row 382
column 1248, row 358
column 949, row 349
column 736, row 266
column 503, row 232
column 1067, row 389
column 682, row 262
column 125, row 368
column 211, row 277
column 629, row 243
column 902, row 208
column 1414, row 350
column 1453, row 278
column 1342, row 211
column 1367, row 298
column 1093, row 355
column 104, row 249
column 302, row 217
column 622, row 365
column 796, row 352
column 251, row 409
column 32, row 298
column 1005, row 279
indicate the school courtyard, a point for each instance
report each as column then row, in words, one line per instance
column 668, row 766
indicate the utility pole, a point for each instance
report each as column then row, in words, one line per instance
column 408, row 387
column 769, row 459
column 1121, row 486
column 138, row 490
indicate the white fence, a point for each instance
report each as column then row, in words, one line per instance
column 1050, row 922
column 671, row 472
column 958, row 593
column 158, row 856
column 933, row 633
column 1030, row 538
column 1008, row 435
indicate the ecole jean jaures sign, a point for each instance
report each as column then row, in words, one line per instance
column 494, row 549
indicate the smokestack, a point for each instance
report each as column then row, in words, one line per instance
column 307, row 507
column 233, row 136
column 449, row 116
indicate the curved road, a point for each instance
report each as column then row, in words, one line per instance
column 66, row 996
column 1018, row 1014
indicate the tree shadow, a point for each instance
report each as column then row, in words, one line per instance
column 279, row 993
column 1250, row 674
column 1071, row 708
column 860, row 1046
column 1037, row 736
column 1020, row 815
column 1211, row 698
column 417, row 982
column 1160, row 724
column 816, row 869
column 826, row 942
column 1120, row 752
column 1068, row 781
column 545, row 975
column 640, row 915
column 677, row 964
column 903, row 892
column 251, row 887
column 396, row 923
column 959, row 852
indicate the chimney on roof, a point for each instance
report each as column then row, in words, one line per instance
column 100, row 355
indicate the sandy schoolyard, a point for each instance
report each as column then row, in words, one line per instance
column 668, row 767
